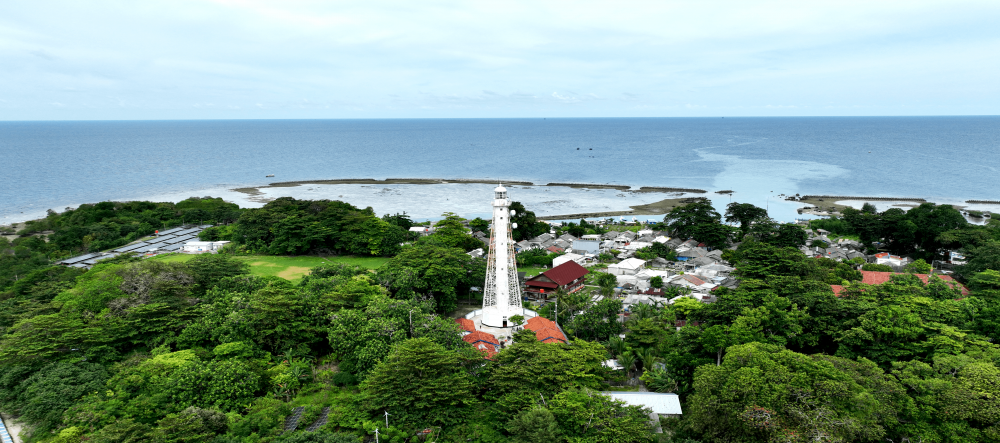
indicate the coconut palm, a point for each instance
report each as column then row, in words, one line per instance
column 627, row 360
column 649, row 358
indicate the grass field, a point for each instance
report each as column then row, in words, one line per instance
column 288, row 268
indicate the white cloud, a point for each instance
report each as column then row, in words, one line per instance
column 497, row 59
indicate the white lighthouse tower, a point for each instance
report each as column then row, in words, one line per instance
column 502, row 295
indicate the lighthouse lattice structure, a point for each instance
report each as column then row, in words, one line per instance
column 502, row 294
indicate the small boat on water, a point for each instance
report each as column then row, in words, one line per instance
column 269, row 175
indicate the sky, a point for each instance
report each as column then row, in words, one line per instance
column 244, row 59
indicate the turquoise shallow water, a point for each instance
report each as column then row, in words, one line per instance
column 59, row 164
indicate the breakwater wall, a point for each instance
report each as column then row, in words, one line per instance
column 847, row 197
column 987, row 202
column 661, row 189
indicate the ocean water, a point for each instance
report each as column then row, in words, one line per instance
column 53, row 165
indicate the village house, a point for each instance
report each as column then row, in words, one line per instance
column 629, row 266
column 568, row 276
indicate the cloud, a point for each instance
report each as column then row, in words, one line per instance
column 492, row 59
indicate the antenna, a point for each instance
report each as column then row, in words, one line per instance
column 387, row 419
column 376, row 435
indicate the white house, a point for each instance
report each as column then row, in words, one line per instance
column 892, row 260
column 629, row 266
column 579, row 259
column 200, row 247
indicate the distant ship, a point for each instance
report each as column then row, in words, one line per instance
column 269, row 175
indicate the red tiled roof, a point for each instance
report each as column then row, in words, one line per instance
column 877, row 278
column 545, row 330
column 566, row 273
column 550, row 335
column 555, row 249
column 466, row 324
column 882, row 255
column 485, row 343
column 837, row 289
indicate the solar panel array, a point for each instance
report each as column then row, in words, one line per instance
column 292, row 421
column 323, row 416
column 169, row 240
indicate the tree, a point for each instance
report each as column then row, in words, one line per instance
column 588, row 417
column 208, row 269
column 766, row 393
column 535, row 425
column 919, row 267
column 981, row 259
column 436, row 271
column 420, row 383
column 528, row 226
column 656, row 281
column 745, row 214
column 683, row 219
column 598, row 321
column 606, row 282
column 478, row 224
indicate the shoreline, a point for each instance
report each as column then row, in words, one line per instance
column 813, row 205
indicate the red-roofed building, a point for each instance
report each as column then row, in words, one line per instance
column 837, row 289
column 485, row 343
column 466, row 324
column 877, row 278
column 555, row 249
column 568, row 276
column 545, row 330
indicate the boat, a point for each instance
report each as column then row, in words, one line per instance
column 269, row 175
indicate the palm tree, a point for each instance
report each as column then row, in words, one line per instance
column 649, row 358
column 627, row 360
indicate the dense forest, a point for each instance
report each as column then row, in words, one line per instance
column 147, row 350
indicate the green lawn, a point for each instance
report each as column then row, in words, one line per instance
column 289, row 268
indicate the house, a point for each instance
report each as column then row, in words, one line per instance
column 595, row 237
column 661, row 239
column 629, row 266
column 885, row 258
column 568, row 276
column 691, row 281
column 475, row 253
column 483, row 342
column 422, row 230
column 546, row 331
column 567, row 238
column 199, row 247
column 555, row 249
column 567, row 257
column 560, row 243
column 592, row 247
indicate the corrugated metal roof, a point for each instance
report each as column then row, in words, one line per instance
column 660, row 403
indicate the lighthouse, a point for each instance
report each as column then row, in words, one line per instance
column 502, row 294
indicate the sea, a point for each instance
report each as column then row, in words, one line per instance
column 62, row 164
